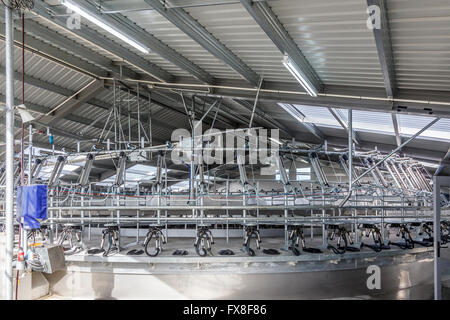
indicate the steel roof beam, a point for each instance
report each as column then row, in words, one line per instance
column 223, row 110
column 312, row 128
column 384, row 46
column 59, row 132
column 38, row 83
column 197, row 32
column 398, row 139
column 59, row 41
column 249, row 107
column 74, row 102
column 153, row 43
column 64, row 58
column 95, row 38
column 268, row 21
column 167, row 99
column 337, row 96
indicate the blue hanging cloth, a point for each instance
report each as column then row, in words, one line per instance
column 31, row 205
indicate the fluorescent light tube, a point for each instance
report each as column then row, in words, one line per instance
column 293, row 112
column 298, row 74
column 94, row 19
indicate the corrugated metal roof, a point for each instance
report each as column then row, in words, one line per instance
column 334, row 38
column 44, row 69
column 332, row 35
column 168, row 33
column 420, row 33
column 152, row 57
column 236, row 29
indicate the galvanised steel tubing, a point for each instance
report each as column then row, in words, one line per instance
column 282, row 221
column 393, row 175
column 116, row 153
column 9, row 116
column 411, row 184
column 247, row 207
column 424, row 179
column 350, row 158
column 398, row 148
column 319, row 219
column 419, row 178
column 414, row 177
column 400, row 179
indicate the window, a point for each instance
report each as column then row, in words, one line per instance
column 278, row 176
column 410, row 124
column 317, row 115
column 303, row 174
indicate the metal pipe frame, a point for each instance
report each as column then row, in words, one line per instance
column 9, row 133
column 438, row 183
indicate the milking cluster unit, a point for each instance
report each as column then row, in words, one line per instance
column 388, row 192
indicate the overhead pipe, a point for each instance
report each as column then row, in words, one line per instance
column 177, row 86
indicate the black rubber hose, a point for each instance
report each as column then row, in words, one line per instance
column 147, row 247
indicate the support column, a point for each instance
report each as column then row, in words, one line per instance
column 350, row 149
column 9, row 134
column 437, row 238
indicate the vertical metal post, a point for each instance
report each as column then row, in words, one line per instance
column 138, row 113
column 9, row 133
column 350, row 149
column 437, row 238
column 350, row 166
column 30, row 153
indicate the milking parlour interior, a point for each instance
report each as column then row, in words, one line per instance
column 224, row 149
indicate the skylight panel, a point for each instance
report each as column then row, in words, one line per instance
column 319, row 116
column 410, row 124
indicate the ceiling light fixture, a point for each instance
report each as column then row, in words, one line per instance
column 82, row 11
column 299, row 75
